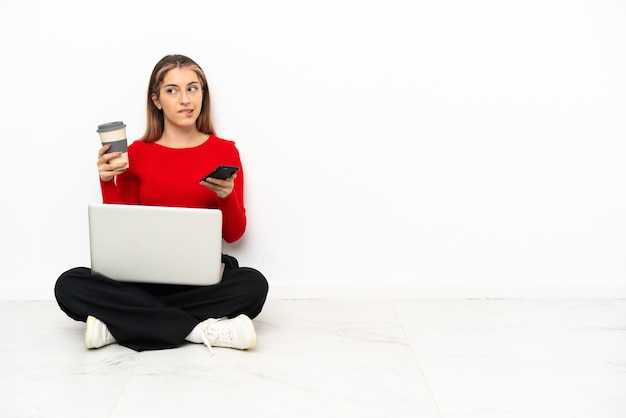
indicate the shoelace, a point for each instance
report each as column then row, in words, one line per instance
column 217, row 333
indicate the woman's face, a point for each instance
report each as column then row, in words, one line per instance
column 180, row 97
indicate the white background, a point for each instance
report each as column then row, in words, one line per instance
column 391, row 148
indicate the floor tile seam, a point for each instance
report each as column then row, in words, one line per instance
column 123, row 390
column 323, row 326
column 419, row 366
column 561, row 412
column 513, row 328
column 343, row 364
column 522, row 362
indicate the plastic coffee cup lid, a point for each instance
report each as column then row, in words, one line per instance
column 111, row 126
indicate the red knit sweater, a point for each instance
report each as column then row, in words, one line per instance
column 161, row 176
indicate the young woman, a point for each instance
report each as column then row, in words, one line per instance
column 165, row 165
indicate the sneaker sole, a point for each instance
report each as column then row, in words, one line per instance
column 251, row 330
column 90, row 326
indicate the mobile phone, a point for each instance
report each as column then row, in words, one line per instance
column 222, row 172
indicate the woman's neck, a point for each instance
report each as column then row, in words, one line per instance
column 181, row 138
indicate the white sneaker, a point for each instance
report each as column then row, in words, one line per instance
column 96, row 333
column 236, row 332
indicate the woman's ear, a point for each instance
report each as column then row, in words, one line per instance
column 155, row 100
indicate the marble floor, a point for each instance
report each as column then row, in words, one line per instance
column 334, row 358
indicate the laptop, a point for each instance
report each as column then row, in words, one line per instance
column 156, row 244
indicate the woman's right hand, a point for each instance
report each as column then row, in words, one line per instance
column 106, row 168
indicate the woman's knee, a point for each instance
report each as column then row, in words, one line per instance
column 258, row 288
column 67, row 289
column 257, row 280
column 66, row 281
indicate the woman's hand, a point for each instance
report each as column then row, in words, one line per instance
column 106, row 168
column 221, row 187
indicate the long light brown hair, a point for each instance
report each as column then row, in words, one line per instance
column 155, row 121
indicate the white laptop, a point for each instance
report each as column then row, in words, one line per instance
column 156, row 244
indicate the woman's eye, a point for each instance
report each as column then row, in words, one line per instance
column 171, row 90
column 192, row 89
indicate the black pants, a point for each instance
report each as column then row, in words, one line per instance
column 146, row 316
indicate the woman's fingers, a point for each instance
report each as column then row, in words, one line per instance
column 221, row 187
column 106, row 168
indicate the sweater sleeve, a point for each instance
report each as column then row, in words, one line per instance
column 232, row 207
column 110, row 193
column 111, row 190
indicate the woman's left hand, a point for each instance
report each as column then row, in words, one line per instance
column 221, row 187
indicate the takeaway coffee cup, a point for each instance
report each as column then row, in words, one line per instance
column 114, row 133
